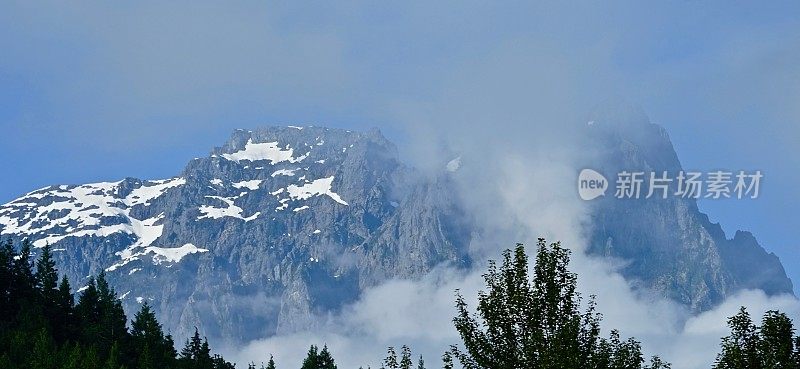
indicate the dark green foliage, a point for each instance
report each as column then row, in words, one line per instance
column 405, row 358
column 316, row 359
column 196, row 354
column 42, row 355
column 112, row 362
column 149, row 341
column 41, row 326
column 391, row 361
column 270, row 364
column 773, row 345
column 326, row 359
column 536, row 322
column 522, row 321
column 447, row 360
column 312, row 358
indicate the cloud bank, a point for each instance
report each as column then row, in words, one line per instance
column 517, row 178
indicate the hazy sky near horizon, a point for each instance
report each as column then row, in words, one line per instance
column 95, row 91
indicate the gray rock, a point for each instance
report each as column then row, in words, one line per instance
column 283, row 225
column 280, row 233
column 669, row 245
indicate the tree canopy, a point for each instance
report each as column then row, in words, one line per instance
column 772, row 345
column 535, row 321
column 41, row 325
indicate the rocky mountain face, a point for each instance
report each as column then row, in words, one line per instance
column 277, row 226
column 285, row 224
column 669, row 245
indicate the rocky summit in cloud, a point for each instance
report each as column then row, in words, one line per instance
column 282, row 225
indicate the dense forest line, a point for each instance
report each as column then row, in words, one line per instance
column 520, row 321
column 42, row 326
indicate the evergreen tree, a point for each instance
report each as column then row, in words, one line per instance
column 71, row 357
column 21, row 264
column 405, row 358
column 390, row 361
column 154, row 348
column 22, row 291
column 88, row 313
column 203, row 358
column 326, row 359
column 63, row 315
column 113, row 322
column 191, row 349
column 312, row 358
column 270, row 364
column 404, row 362
column 47, row 276
column 144, row 355
column 42, row 327
column 91, row 360
column 316, row 359
column 42, row 355
column 113, row 360
column 217, row 362
column 196, row 354
column 7, row 254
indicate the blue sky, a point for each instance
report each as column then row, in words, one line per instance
column 101, row 91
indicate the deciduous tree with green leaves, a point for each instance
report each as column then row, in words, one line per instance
column 773, row 345
column 536, row 323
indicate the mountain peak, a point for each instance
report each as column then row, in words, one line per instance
column 282, row 223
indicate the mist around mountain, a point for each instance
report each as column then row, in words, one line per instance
column 286, row 230
column 669, row 245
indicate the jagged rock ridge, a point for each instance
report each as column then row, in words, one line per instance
column 273, row 228
column 284, row 224
column 669, row 245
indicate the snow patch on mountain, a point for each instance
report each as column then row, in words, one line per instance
column 283, row 172
column 454, row 164
column 147, row 230
column 250, row 185
column 264, row 151
column 145, row 194
column 231, row 210
column 96, row 209
column 99, row 232
column 317, row 187
column 174, row 254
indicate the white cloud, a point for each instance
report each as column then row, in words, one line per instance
column 518, row 190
